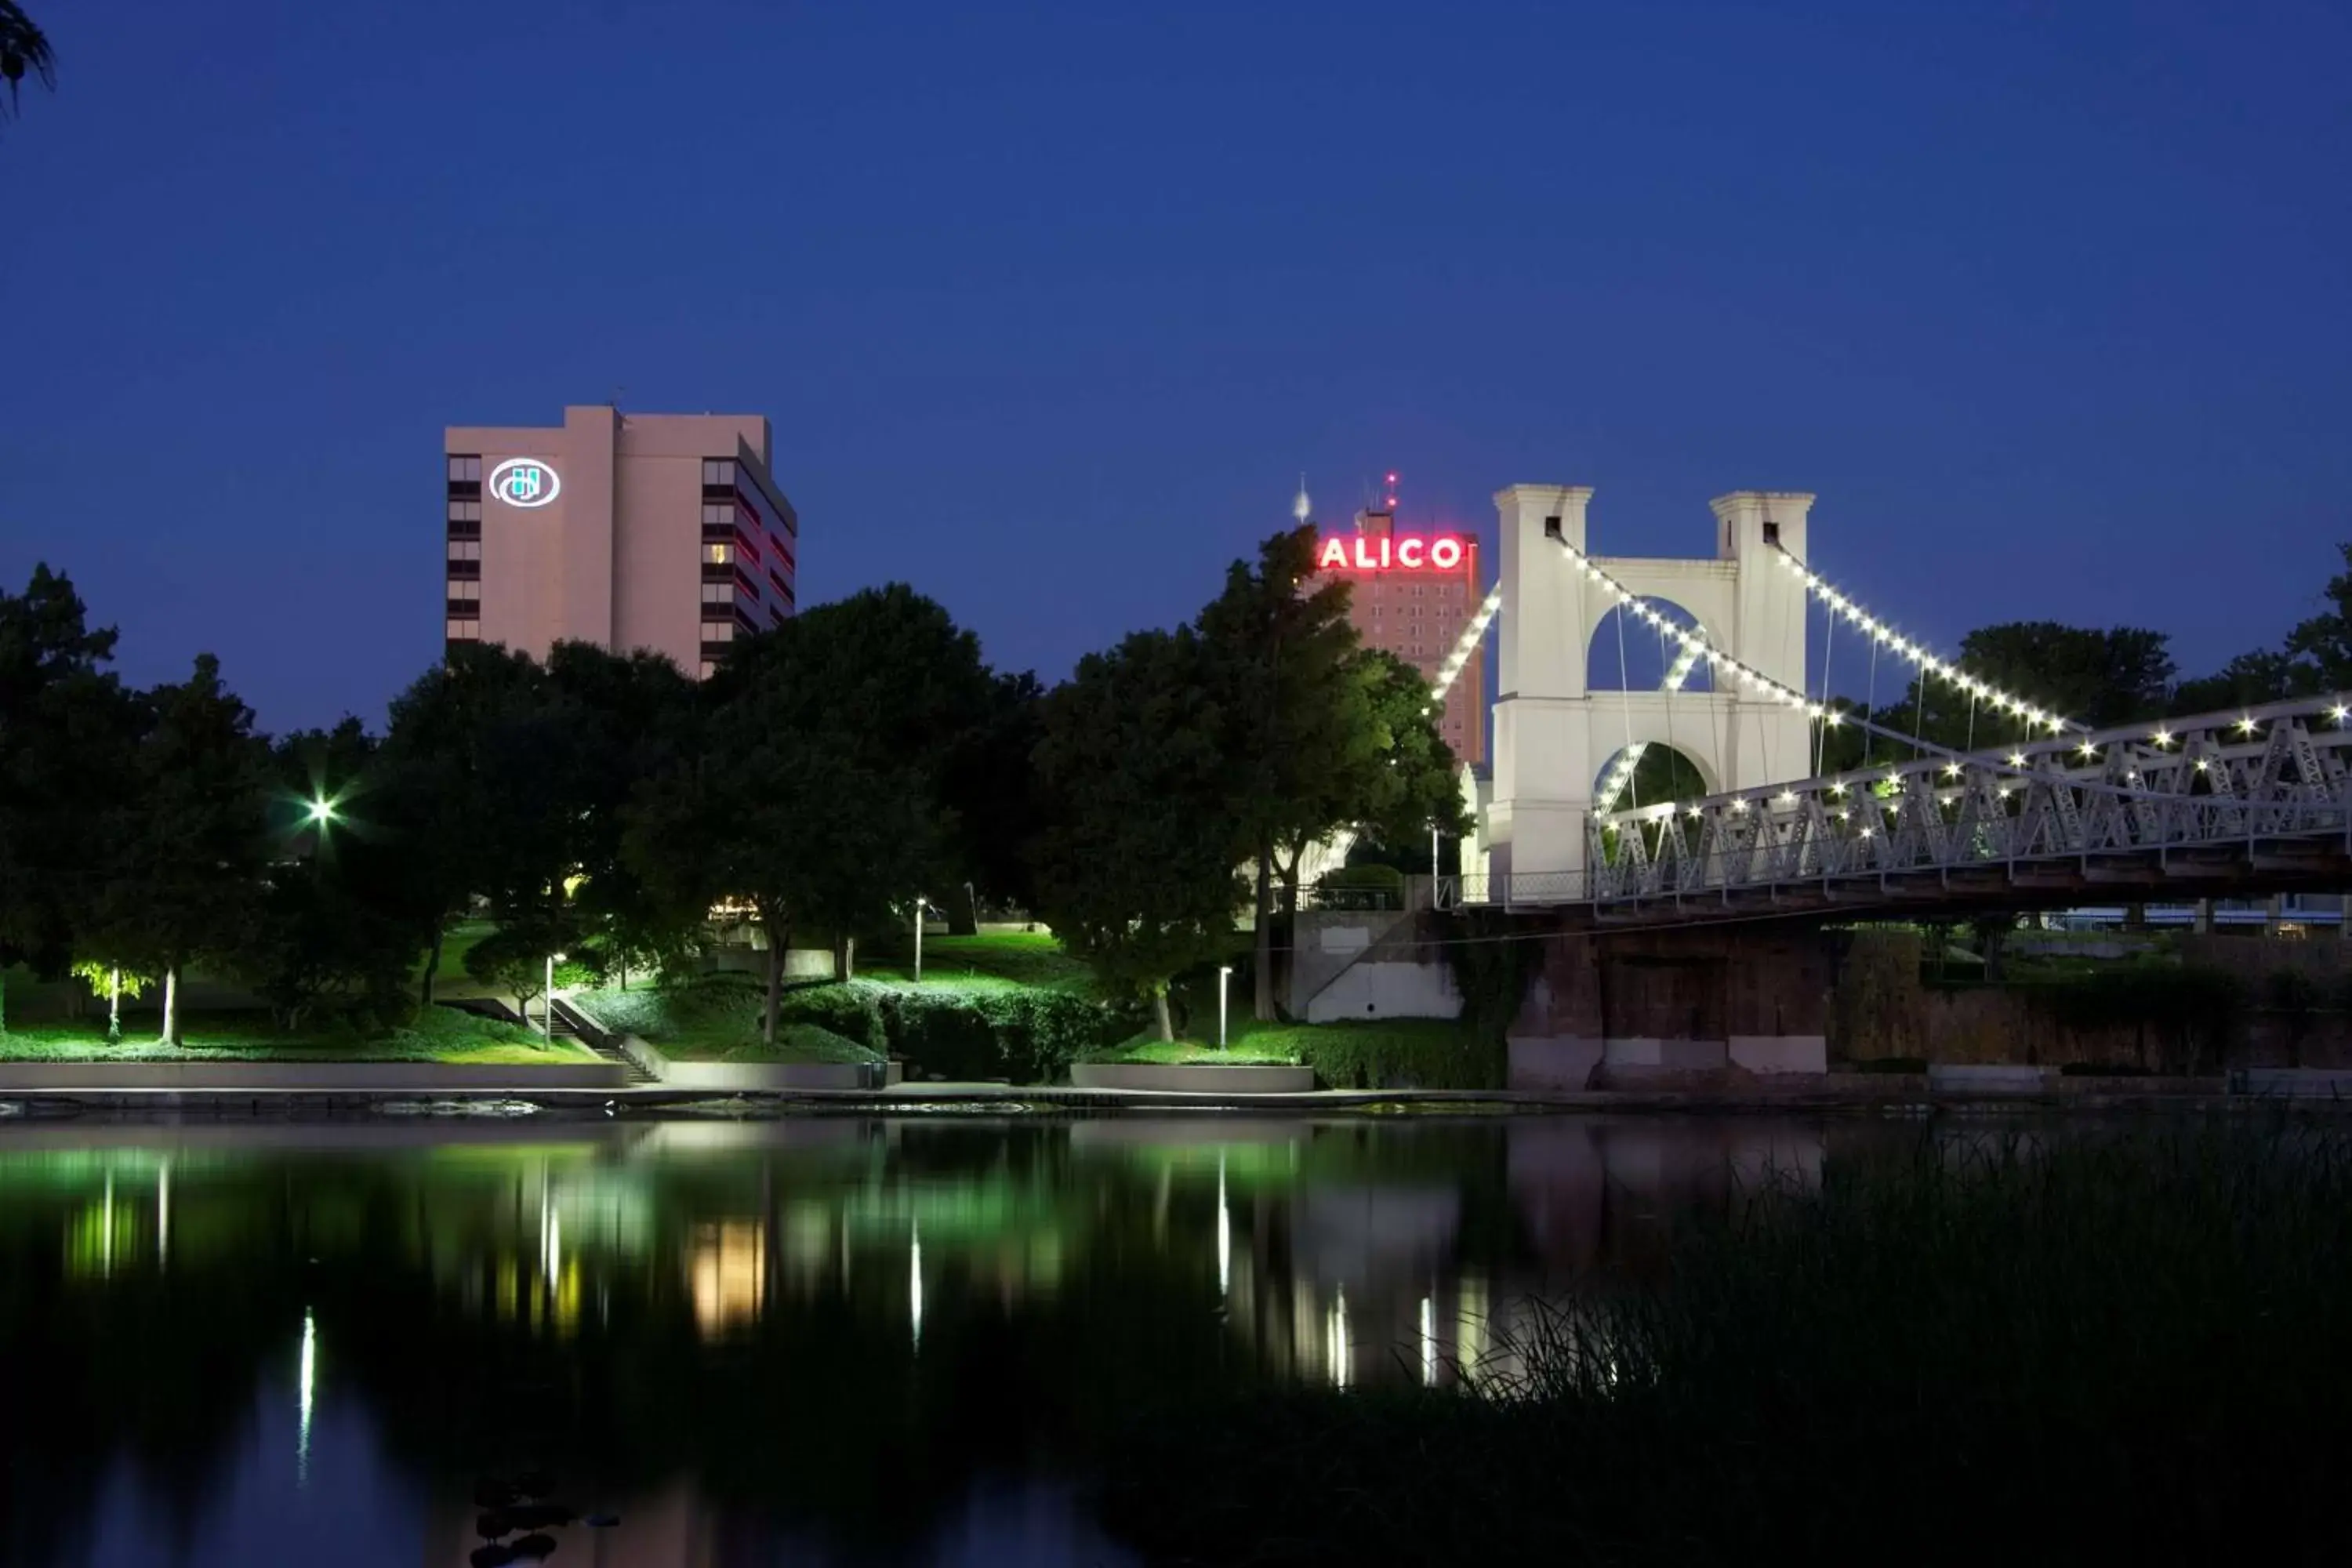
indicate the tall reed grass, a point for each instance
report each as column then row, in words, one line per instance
column 2128, row 1346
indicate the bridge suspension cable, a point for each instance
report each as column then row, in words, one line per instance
column 1917, row 654
column 1465, row 648
column 1761, row 684
column 1622, row 773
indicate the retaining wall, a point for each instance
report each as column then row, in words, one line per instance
column 755, row 1077
column 347, row 1078
column 1189, row 1079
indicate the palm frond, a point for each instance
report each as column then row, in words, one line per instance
column 24, row 49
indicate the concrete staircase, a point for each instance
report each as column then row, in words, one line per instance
column 573, row 1023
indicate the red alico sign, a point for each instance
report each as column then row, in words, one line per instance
column 1398, row 553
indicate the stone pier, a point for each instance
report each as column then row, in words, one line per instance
column 1693, row 1004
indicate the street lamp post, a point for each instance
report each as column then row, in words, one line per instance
column 547, row 999
column 918, row 939
column 320, row 812
column 1223, row 971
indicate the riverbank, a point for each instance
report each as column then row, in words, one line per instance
column 424, row 1091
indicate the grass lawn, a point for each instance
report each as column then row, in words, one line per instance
column 997, row 962
column 1145, row 1050
column 441, row 1035
column 456, row 944
column 1383, row 1053
column 716, row 1019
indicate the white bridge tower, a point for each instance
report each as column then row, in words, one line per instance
column 1554, row 737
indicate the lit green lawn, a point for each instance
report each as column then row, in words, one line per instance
column 1290, row 1044
column 440, row 1034
column 1143, row 1050
column 1433, row 1053
column 997, row 962
column 718, row 1019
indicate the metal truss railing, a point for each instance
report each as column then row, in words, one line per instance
column 2232, row 780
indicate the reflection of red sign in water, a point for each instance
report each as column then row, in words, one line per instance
column 1401, row 552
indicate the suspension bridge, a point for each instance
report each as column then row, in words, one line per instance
column 2228, row 804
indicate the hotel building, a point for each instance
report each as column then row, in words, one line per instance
column 1415, row 593
column 629, row 531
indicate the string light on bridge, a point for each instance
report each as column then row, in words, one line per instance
column 1620, row 775
column 1465, row 648
column 1887, row 638
column 1692, row 642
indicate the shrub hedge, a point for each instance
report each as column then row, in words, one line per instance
column 1024, row 1036
column 1422, row 1053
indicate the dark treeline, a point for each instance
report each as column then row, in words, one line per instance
column 830, row 773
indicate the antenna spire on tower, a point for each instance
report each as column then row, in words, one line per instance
column 1300, row 507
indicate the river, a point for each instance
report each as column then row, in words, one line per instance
column 815, row 1341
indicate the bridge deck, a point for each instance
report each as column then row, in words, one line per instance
column 2220, row 805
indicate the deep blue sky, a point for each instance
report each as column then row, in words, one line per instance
column 1050, row 305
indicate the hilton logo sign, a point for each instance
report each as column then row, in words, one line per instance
column 525, row 482
column 1401, row 552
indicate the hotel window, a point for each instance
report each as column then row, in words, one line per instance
column 465, row 511
column 709, row 668
column 719, row 631
column 718, row 555
column 717, row 473
column 465, row 550
column 465, row 630
column 720, row 593
column 466, row 470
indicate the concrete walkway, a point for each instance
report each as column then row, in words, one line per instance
column 523, row 1097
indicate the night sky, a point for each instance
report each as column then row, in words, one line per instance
column 1051, row 305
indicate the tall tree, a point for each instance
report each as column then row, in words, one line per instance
column 2094, row 677
column 1280, row 656
column 332, row 923
column 2315, row 657
column 812, row 786
column 2321, row 646
column 991, row 786
column 66, row 725
column 458, row 792
column 621, row 718
column 1135, row 869
column 2265, row 675
column 23, row 51
column 1387, row 774
column 185, row 864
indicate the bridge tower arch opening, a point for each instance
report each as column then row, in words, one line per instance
column 1651, row 773
column 1627, row 653
column 1556, row 731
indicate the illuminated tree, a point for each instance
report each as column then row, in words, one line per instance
column 1135, row 868
column 66, row 729
column 811, row 783
column 114, row 982
column 1292, row 710
column 1393, row 780
column 185, row 853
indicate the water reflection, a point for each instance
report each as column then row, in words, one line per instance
column 829, row 1340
